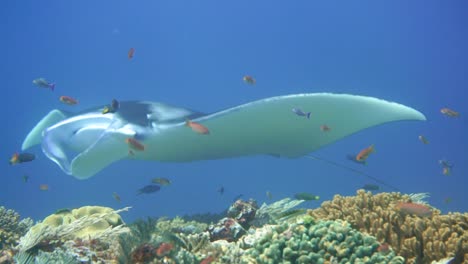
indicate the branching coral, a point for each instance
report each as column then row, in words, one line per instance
column 11, row 228
column 418, row 239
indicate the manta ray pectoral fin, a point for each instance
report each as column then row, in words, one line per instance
column 270, row 126
column 109, row 148
column 35, row 136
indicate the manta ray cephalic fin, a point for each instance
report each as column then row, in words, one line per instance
column 35, row 135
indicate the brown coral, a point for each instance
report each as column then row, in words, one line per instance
column 419, row 240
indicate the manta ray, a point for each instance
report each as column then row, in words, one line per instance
column 83, row 144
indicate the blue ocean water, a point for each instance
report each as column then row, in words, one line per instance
column 194, row 54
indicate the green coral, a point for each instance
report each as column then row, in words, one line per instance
column 11, row 228
column 305, row 242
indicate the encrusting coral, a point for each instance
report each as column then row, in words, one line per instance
column 418, row 238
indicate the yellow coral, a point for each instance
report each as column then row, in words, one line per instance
column 419, row 240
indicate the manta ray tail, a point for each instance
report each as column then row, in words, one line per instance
column 354, row 170
column 35, row 136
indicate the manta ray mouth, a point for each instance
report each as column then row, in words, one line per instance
column 67, row 140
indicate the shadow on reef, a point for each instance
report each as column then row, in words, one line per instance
column 382, row 228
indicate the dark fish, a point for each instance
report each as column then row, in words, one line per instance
column 112, row 108
column 22, row 157
column 116, row 196
column 371, row 187
column 306, row 196
column 221, row 190
column 115, row 104
column 352, row 157
column 63, row 211
column 25, row 178
column 149, row 189
column 299, row 112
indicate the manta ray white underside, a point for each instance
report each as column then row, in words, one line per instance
column 94, row 140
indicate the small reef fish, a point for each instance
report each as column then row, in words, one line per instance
column 149, row 189
column 445, row 163
column 269, row 195
column 364, row 154
column 446, row 167
column 68, row 100
column 370, row 187
column 446, row 171
column 423, row 139
column 299, row 112
column 306, row 196
column 135, row 144
column 447, row 200
column 43, row 187
column 62, row 211
column 207, row 260
column 164, row 249
column 221, row 190
column 249, row 79
column 161, row 181
column 199, row 128
column 43, row 83
column 449, row 112
column 384, row 248
column 112, row 108
column 352, row 157
column 131, row 53
column 325, row 128
column 116, row 196
column 25, row 178
column 420, row 210
column 21, row 157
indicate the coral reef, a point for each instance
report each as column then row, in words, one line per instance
column 418, row 239
column 11, row 228
column 307, row 241
column 243, row 212
column 87, row 234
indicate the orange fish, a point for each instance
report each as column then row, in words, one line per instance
column 325, row 128
column 364, row 154
column 43, row 187
column 135, row 144
column 207, row 260
column 68, row 100
column 14, row 159
column 449, row 112
column 164, row 249
column 199, row 128
column 420, row 210
column 249, row 79
column 131, row 52
column 384, row 248
column 423, row 139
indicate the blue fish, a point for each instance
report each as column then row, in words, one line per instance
column 299, row 112
column 43, row 83
column 149, row 189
